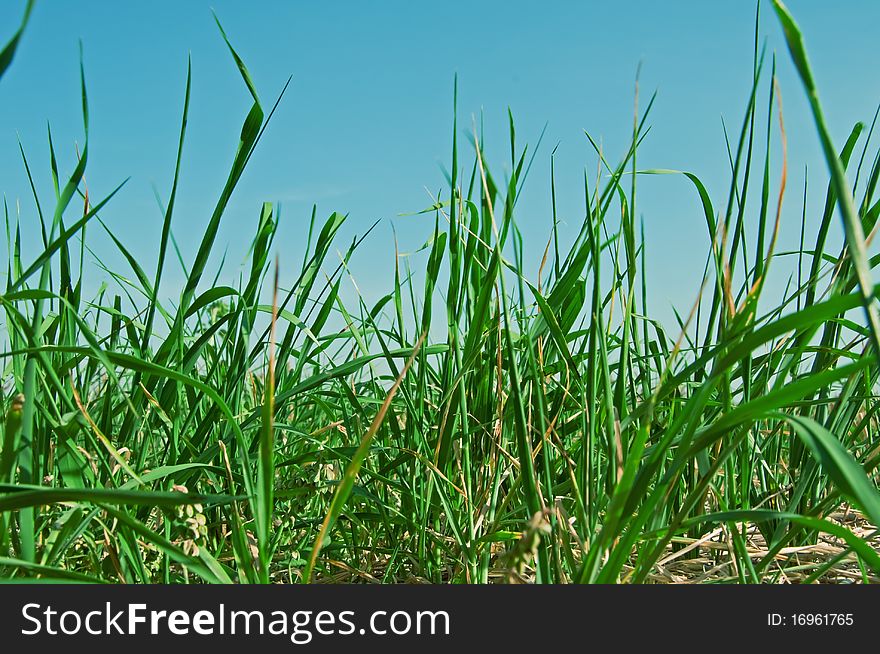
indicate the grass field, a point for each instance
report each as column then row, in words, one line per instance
column 536, row 430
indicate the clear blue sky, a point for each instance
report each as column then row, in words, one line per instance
column 367, row 121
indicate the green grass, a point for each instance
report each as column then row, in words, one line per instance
column 545, row 430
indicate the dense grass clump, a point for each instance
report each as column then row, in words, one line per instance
column 543, row 430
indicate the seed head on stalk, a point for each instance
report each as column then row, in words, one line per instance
column 13, row 424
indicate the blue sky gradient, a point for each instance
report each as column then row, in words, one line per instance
column 366, row 123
